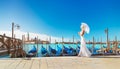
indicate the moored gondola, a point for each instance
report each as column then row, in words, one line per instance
column 52, row 51
column 68, row 51
column 59, row 51
column 44, row 51
column 32, row 52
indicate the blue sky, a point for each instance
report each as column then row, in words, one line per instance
column 62, row 17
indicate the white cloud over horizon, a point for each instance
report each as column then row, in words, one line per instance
column 18, row 34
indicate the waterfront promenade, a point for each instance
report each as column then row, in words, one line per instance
column 71, row 62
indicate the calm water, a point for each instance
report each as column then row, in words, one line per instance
column 5, row 56
column 28, row 47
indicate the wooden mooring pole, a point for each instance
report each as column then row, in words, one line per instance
column 93, row 45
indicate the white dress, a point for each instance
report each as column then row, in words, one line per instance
column 84, row 52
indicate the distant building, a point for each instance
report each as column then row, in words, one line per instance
column 35, row 42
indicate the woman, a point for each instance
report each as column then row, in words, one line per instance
column 84, row 52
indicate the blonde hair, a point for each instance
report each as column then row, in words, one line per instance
column 82, row 27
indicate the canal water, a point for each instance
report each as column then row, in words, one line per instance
column 28, row 47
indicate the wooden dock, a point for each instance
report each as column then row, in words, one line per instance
column 103, row 62
column 11, row 46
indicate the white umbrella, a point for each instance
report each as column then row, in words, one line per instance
column 86, row 27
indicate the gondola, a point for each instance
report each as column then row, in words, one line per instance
column 52, row 51
column 74, row 52
column 44, row 51
column 78, row 49
column 59, row 51
column 32, row 52
column 67, row 51
column 72, row 49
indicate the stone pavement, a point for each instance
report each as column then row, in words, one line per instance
column 69, row 62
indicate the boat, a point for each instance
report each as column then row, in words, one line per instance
column 78, row 49
column 32, row 52
column 67, row 51
column 72, row 49
column 74, row 52
column 59, row 51
column 44, row 51
column 52, row 51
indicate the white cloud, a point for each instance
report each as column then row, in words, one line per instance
column 18, row 34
